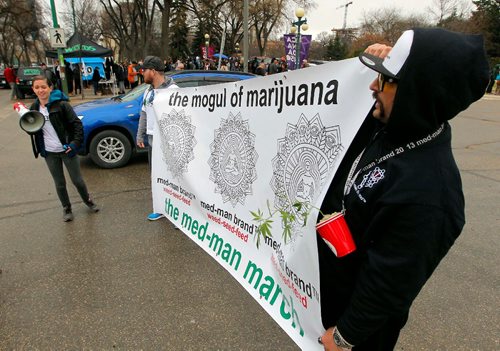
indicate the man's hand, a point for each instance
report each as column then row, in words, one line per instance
column 327, row 341
column 140, row 144
column 379, row 50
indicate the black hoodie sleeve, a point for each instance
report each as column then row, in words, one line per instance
column 73, row 123
column 409, row 241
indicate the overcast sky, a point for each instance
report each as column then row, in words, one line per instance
column 326, row 15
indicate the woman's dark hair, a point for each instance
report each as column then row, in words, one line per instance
column 42, row 77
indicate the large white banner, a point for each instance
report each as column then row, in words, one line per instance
column 225, row 150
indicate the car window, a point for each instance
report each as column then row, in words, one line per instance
column 134, row 93
column 187, row 83
column 218, row 81
column 198, row 81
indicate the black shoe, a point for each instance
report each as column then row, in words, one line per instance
column 92, row 206
column 67, row 214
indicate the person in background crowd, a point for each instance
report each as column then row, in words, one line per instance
column 57, row 71
column 10, row 77
column 140, row 70
column 69, row 77
column 493, row 74
column 58, row 142
column 261, row 69
column 190, row 64
column 223, row 66
column 274, row 66
column 120, row 77
column 168, row 65
column 179, row 66
column 96, row 77
column 132, row 75
column 197, row 62
column 48, row 73
column 77, row 78
column 155, row 76
column 125, row 73
column 398, row 186
column 305, row 63
column 497, row 90
column 283, row 65
column 253, row 64
column 108, row 64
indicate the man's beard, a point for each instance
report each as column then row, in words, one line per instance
column 380, row 105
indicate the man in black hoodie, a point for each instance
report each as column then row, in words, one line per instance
column 399, row 186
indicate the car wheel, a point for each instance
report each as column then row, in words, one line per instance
column 110, row 149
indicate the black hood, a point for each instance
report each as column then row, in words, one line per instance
column 444, row 73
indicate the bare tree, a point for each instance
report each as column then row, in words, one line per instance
column 21, row 27
column 165, row 8
column 269, row 16
column 130, row 24
column 81, row 15
column 444, row 9
column 389, row 23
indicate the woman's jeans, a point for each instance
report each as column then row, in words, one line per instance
column 55, row 163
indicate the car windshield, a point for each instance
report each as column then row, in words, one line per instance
column 134, row 93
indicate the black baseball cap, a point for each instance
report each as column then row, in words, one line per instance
column 153, row 62
column 391, row 65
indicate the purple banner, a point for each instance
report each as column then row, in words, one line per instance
column 290, row 51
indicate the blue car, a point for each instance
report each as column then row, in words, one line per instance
column 110, row 125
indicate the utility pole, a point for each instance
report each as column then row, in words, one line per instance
column 245, row 36
column 59, row 50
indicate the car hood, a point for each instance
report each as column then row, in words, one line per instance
column 88, row 106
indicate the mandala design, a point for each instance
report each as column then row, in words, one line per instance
column 372, row 178
column 177, row 142
column 232, row 160
column 305, row 158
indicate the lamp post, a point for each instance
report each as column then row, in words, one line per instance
column 296, row 26
column 238, row 55
column 207, row 42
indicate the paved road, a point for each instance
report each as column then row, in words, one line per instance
column 112, row 280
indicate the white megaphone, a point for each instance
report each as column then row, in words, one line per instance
column 30, row 121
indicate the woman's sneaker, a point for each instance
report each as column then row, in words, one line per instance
column 67, row 214
column 91, row 205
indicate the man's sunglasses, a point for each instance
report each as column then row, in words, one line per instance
column 382, row 79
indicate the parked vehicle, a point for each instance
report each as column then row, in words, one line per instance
column 3, row 81
column 25, row 77
column 110, row 125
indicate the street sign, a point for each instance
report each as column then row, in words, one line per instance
column 57, row 38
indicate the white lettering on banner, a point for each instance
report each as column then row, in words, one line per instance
column 228, row 149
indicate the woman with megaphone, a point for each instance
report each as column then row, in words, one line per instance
column 58, row 142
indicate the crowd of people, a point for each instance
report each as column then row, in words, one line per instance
column 130, row 73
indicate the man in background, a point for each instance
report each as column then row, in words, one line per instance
column 10, row 77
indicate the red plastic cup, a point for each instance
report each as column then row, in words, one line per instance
column 337, row 235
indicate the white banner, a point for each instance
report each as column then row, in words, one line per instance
column 224, row 150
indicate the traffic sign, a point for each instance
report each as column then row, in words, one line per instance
column 57, row 38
